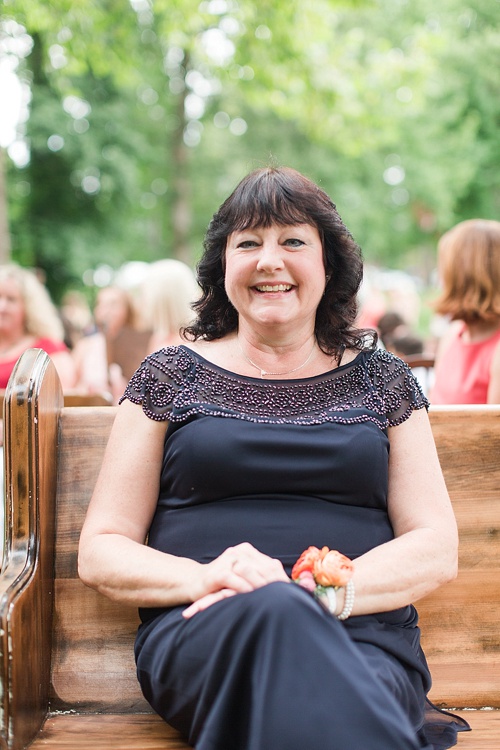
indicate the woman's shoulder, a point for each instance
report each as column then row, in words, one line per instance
column 379, row 359
column 394, row 385
column 158, row 379
column 167, row 364
column 169, row 358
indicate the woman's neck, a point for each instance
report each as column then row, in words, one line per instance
column 275, row 340
column 475, row 332
column 276, row 353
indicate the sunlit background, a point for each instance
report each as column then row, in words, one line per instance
column 124, row 125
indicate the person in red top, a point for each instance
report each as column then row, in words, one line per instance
column 28, row 319
column 467, row 369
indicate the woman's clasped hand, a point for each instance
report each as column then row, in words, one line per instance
column 237, row 570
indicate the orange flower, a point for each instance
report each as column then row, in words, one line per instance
column 331, row 568
column 306, row 562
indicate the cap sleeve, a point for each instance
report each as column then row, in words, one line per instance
column 157, row 381
column 397, row 387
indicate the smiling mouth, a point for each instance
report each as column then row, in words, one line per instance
column 274, row 287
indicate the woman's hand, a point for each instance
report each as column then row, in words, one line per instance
column 237, row 570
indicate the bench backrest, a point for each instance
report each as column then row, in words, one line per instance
column 76, row 398
column 80, row 643
column 92, row 660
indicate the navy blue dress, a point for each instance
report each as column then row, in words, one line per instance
column 282, row 464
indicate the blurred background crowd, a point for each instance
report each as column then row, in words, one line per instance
column 95, row 349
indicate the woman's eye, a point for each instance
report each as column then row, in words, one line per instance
column 245, row 244
column 294, row 242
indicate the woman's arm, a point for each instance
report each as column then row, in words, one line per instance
column 423, row 554
column 113, row 557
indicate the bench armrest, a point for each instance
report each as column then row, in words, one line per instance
column 33, row 401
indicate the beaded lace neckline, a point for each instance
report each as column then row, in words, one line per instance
column 177, row 383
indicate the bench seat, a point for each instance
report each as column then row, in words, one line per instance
column 67, row 672
column 148, row 732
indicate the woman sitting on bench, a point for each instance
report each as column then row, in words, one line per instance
column 277, row 443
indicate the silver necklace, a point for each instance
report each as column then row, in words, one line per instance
column 263, row 373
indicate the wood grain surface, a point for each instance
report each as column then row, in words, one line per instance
column 460, row 621
column 111, row 732
column 139, row 732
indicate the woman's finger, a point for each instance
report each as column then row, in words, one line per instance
column 207, row 601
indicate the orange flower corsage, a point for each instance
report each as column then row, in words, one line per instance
column 323, row 572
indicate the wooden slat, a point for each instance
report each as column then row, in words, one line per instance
column 420, row 360
column 112, row 732
column 468, row 440
column 467, row 683
column 462, row 646
column 83, row 434
column 92, row 661
column 93, row 664
column 88, row 399
column 70, row 732
column 485, row 734
column 76, row 398
column 459, row 621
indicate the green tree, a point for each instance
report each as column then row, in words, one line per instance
column 161, row 107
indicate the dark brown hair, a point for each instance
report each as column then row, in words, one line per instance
column 281, row 196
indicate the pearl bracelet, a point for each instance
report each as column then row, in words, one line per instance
column 348, row 601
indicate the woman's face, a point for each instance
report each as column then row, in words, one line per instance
column 111, row 310
column 275, row 276
column 12, row 310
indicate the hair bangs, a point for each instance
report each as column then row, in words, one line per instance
column 268, row 199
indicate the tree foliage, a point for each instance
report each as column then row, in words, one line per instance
column 144, row 115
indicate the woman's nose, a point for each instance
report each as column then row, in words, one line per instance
column 270, row 257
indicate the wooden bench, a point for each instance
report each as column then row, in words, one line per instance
column 66, row 660
column 76, row 398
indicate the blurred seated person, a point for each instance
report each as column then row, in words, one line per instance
column 106, row 359
column 397, row 337
column 408, row 346
column 76, row 317
column 387, row 324
column 167, row 293
column 29, row 319
column 467, row 369
column 405, row 343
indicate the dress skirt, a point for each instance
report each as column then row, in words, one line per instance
column 273, row 670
